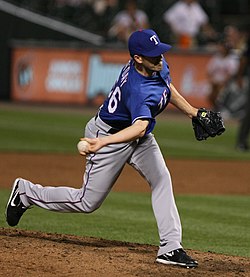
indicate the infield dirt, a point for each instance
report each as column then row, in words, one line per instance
column 28, row 253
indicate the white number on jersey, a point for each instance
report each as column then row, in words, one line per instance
column 115, row 97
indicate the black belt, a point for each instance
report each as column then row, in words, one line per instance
column 111, row 130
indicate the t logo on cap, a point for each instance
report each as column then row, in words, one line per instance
column 146, row 43
column 154, row 38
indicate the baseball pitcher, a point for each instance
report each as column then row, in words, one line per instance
column 120, row 133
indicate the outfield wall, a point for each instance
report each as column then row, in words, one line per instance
column 77, row 76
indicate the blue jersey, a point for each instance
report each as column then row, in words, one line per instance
column 135, row 96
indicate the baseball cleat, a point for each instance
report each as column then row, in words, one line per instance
column 177, row 257
column 15, row 208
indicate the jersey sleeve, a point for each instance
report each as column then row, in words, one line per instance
column 144, row 113
column 140, row 109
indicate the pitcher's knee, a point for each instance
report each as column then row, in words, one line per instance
column 91, row 207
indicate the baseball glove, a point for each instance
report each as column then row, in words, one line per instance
column 207, row 124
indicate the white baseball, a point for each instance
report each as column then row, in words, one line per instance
column 83, row 146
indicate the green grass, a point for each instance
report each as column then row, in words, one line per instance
column 44, row 130
column 216, row 223
column 176, row 139
column 40, row 131
column 219, row 224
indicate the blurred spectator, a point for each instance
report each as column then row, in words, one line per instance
column 236, row 38
column 244, row 128
column 127, row 21
column 105, row 11
column 222, row 66
column 187, row 21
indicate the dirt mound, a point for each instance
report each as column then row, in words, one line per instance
column 27, row 253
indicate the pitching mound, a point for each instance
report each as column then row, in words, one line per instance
column 26, row 253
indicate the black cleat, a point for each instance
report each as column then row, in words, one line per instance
column 177, row 257
column 15, row 208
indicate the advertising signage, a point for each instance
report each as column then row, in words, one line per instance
column 86, row 77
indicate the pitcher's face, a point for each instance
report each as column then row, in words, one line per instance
column 152, row 63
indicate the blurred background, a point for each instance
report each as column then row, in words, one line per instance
column 71, row 51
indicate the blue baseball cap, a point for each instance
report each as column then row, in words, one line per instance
column 146, row 43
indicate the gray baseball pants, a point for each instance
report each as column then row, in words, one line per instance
column 102, row 170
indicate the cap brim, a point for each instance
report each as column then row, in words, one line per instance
column 159, row 50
